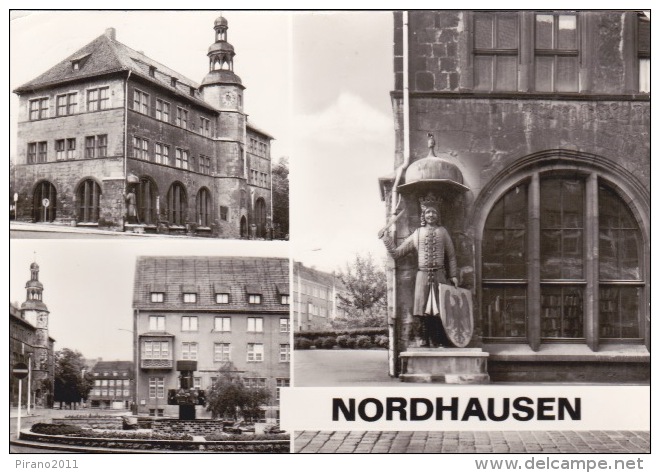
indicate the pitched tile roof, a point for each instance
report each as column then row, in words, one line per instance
column 112, row 366
column 105, row 55
column 238, row 275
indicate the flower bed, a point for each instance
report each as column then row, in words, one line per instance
column 146, row 442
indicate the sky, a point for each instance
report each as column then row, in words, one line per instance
column 319, row 82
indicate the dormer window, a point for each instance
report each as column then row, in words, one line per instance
column 75, row 65
column 192, row 91
column 173, row 82
column 222, row 298
column 157, row 297
column 189, row 298
column 152, row 71
column 254, row 298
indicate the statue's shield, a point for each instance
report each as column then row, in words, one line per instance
column 456, row 314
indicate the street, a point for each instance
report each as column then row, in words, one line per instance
column 342, row 368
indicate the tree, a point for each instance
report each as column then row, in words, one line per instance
column 70, row 384
column 364, row 299
column 228, row 397
column 281, row 197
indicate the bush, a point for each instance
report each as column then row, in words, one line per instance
column 381, row 341
column 318, row 342
column 302, row 343
column 56, row 429
column 342, row 341
column 363, row 341
column 328, row 343
column 349, row 331
column 352, row 342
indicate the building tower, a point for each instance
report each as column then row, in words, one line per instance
column 34, row 311
column 223, row 89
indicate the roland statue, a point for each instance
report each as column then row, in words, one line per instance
column 436, row 264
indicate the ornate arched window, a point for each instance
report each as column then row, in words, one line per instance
column 562, row 259
column 88, row 199
column 204, row 207
column 177, row 204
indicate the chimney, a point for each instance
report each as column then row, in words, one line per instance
column 111, row 33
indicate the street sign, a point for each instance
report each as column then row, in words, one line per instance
column 20, row 370
column 45, row 202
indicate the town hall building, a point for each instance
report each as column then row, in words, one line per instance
column 110, row 138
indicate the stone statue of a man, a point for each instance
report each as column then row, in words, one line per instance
column 436, row 264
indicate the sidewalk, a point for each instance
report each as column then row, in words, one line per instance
column 473, row 442
column 60, row 228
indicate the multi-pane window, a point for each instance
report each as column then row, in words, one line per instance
column 70, row 148
column 157, row 297
column 88, row 202
column 98, row 99
column 280, row 383
column 644, row 53
column 188, row 350
column 140, row 148
column 141, row 102
column 96, row 146
column 285, row 324
column 156, row 350
column 204, row 207
column 556, row 52
column 255, row 324
column 188, row 323
column 285, row 352
column 162, row 110
column 66, row 104
column 156, row 388
column 255, row 352
column 60, row 149
column 284, row 299
column 222, row 298
column 204, row 164
column 205, row 126
column 254, row 298
column 176, row 204
column 222, row 324
column 38, row 108
column 181, row 158
column 182, row 117
column 537, row 282
column 253, row 383
column 221, row 352
column 161, row 153
column 156, row 322
column 37, row 152
column 189, row 297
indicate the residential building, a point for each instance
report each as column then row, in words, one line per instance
column 110, row 138
column 541, row 122
column 315, row 298
column 30, row 343
column 113, row 385
column 212, row 310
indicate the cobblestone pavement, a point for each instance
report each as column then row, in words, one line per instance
column 473, row 442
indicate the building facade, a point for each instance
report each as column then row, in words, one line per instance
column 212, row 310
column 30, row 343
column 544, row 118
column 315, row 301
column 111, row 138
column 113, row 385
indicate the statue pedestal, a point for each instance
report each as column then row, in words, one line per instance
column 444, row 365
